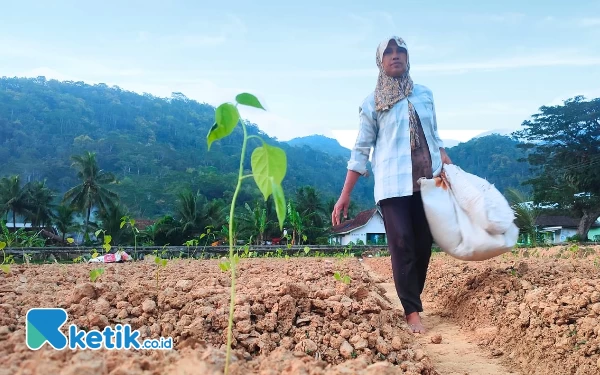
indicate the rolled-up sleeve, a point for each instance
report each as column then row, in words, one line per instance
column 365, row 140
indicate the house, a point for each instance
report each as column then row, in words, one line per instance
column 560, row 228
column 367, row 227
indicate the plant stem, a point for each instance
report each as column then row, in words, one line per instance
column 231, row 261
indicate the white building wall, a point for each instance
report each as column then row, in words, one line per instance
column 565, row 233
column 375, row 225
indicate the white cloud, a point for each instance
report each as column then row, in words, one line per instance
column 589, row 22
column 538, row 61
column 588, row 93
column 504, row 18
column 231, row 27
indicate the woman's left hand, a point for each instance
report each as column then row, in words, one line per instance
column 445, row 157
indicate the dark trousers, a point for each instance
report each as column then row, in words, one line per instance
column 409, row 241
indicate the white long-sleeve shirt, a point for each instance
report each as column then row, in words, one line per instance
column 388, row 133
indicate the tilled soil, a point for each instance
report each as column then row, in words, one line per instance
column 539, row 311
column 291, row 317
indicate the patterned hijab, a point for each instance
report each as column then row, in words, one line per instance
column 390, row 90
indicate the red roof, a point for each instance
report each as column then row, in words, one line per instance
column 142, row 224
column 349, row 225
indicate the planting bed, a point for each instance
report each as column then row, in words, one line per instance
column 291, row 317
column 538, row 310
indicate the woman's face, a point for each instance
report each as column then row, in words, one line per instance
column 394, row 60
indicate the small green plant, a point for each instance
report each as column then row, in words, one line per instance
column 160, row 262
column 96, row 273
column 99, row 271
column 342, row 277
column 188, row 243
column 126, row 220
column 6, row 260
column 106, row 239
column 269, row 165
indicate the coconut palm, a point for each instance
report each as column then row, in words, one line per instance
column 39, row 201
column 65, row 220
column 91, row 192
column 13, row 198
column 526, row 213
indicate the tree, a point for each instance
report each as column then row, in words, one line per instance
column 91, row 192
column 13, row 198
column 64, row 220
column 39, row 199
column 565, row 152
column 526, row 214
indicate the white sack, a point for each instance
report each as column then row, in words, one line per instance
column 482, row 202
column 119, row 256
column 460, row 216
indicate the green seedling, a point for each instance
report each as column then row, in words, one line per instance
column 341, row 277
column 96, row 273
column 126, row 220
column 160, row 262
column 6, row 260
column 269, row 165
column 306, row 250
column 107, row 238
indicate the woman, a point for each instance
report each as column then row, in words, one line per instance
column 398, row 121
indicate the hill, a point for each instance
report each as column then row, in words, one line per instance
column 495, row 158
column 321, row 143
column 155, row 146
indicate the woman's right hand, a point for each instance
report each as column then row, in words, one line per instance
column 340, row 206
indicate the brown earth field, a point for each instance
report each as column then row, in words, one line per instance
column 536, row 310
column 536, row 313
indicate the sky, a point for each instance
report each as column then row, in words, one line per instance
column 490, row 65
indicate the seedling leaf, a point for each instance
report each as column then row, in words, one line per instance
column 70, row 240
column 337, row 276
column 107, row 238
column 106, row 247
column 96, row 273
column 306, row 249
column 224, row 266
column 268, row 162
column 227, row 117
column 279, row 199
column 249, row 100
column 97, row 233
column 5, row 268
column 347, row 279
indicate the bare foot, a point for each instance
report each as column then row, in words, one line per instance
column 414, row 322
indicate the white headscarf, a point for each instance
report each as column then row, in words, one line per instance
column 390, row 90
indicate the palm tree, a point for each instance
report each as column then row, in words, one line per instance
column 13, row 198
column 526, row 213
column 256, row 220
column 91, row 191
column 64, row 220
column 188, row 212
column 39, row 202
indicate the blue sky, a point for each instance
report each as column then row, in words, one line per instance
column 491, row 65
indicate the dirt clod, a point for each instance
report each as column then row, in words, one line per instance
column 436, row 339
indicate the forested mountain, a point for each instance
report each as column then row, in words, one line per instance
column 493, row 157
column 155, row 146
column 322, row 143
